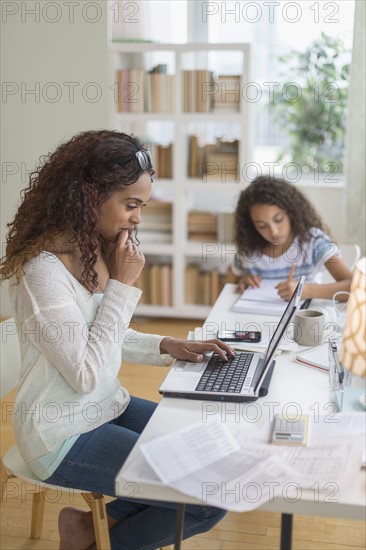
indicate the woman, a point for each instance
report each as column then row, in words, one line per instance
column 72, row 261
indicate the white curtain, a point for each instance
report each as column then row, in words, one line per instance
column 355, row 146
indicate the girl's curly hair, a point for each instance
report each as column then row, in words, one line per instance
column 65, row 192
column 276, row 191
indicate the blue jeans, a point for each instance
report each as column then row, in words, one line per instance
column 92, row 464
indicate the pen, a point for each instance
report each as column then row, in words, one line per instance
column 338, row 367
column 289, row 280
column 305, row 304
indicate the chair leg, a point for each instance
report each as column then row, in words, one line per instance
column 37, row 514
column 96, row 503
column 4, row 476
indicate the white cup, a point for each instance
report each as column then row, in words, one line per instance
column 308, row 327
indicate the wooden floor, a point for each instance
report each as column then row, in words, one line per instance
column 250, row 531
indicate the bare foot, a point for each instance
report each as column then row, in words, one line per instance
column 76, row 529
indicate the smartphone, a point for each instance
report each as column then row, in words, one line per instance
column 239, row 335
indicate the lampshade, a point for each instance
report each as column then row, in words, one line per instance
column 353, row 352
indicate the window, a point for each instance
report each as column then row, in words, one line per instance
column 274, row 29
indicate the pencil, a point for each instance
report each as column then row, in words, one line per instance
column 289, row 280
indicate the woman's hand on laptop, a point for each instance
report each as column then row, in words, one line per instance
column 188, row 350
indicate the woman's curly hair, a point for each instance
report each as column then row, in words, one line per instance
column 66, row 192
column 276, row 191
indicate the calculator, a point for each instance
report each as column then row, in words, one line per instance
column 290, row 430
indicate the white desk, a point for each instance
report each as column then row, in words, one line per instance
column 304, row 387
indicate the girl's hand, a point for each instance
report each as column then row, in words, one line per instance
column 187, row 350
column 286, row 289
column 125, row 262
column 252, row 281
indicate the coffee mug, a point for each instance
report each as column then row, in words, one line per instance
column 308, row 327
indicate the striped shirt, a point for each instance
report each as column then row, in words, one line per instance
column 310, row 259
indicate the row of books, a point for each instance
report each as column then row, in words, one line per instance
column 212, row 227
column 203, row 287
column 140, row 91
column 157, row 223
column 205, row 93
column 156, row 284
column 218, row 161
column 162, row 159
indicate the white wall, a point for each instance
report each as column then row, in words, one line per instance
column 37, row 52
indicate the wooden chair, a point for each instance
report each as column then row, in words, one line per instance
column 12, row 465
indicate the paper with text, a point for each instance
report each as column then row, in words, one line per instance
column 205, row 461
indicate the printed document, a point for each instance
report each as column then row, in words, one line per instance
column 206, row 461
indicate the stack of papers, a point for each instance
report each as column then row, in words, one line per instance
column 263, row 300
column 210, row 463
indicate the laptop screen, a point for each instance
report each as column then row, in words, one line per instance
column 285, row 320
column 280, row 329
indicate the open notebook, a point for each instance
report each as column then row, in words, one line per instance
column 263, row 300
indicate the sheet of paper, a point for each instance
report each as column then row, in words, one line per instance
column 180, row 453
column 264, row 299
column 266, row 292
column 206, row 462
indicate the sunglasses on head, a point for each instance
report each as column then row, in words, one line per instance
column 143, row 157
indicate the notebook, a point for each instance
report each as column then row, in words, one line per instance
column 316, row 357
column 248, row 380
column 262, row 300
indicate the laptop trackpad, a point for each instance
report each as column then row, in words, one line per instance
column 194, row 368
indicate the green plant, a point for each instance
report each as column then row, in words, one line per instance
column 311, row 106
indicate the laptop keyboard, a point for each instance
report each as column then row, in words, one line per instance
column 225, row 376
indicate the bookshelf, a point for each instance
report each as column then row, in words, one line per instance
column 194, row 247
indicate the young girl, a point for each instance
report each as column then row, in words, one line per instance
column 277, row 227
column 72, row 260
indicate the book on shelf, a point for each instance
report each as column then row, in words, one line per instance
column 202, row 226
column 227, row 93
column 217, row 161
column 198, row 88
column 164, row 162
column 225, row 227
column 143, row 283
column 222, row 167
column 136, row 94
column 140, row 91
column 166, row 285
column 214, row 285
column 162, row 88
column 123, row 90
column 203, row 287
column 156, row 284
column 191, row 283
column 156, row 225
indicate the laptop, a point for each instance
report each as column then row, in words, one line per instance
column 243, row 378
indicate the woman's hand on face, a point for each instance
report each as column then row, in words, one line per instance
column 187, row 350
column 286, row 289
column 252, row 281
column 125, row 262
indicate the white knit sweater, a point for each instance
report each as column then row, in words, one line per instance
column 71, row 349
